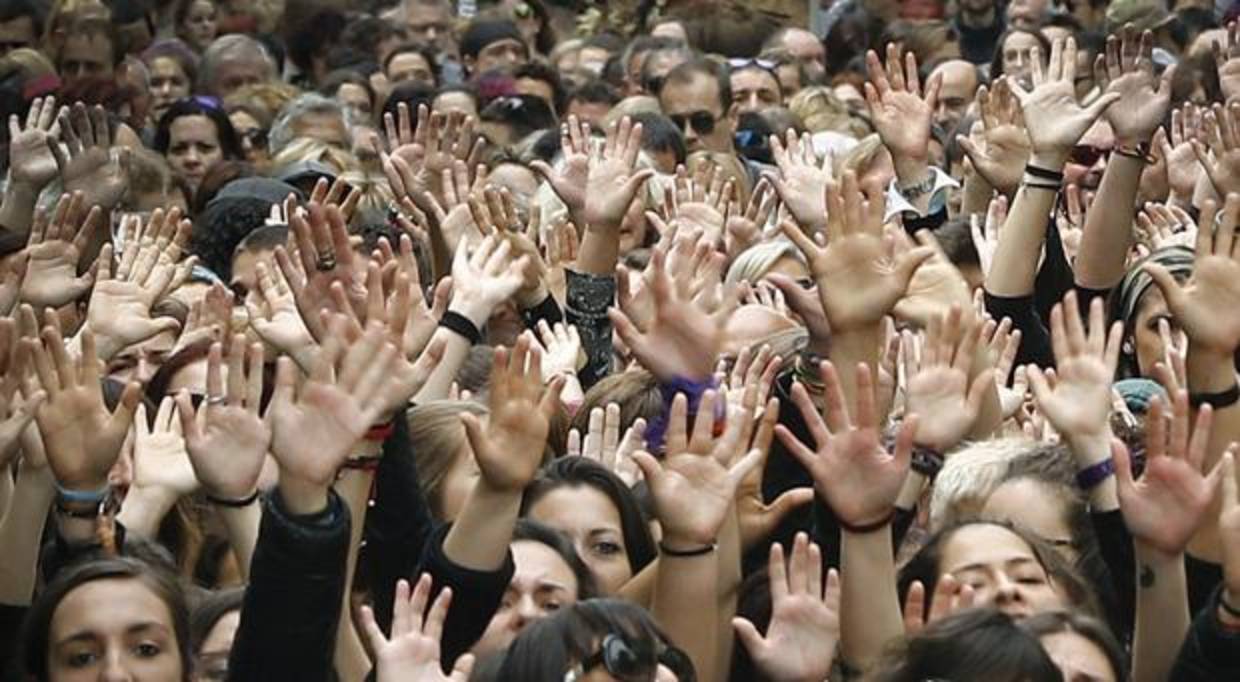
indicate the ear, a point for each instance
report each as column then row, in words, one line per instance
column 1128, row 347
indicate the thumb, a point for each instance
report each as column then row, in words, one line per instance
column 1123, row 466
column 1101, row 104
column 650, row 467
column 131, row 397
column 749, row 635
column 636, row 180
column 744, row 466
column 969, row 147
column 474, row 434
column 544, row 169
column 462, row 669
column 981, row 387
column 908, row 262
column 785, row 503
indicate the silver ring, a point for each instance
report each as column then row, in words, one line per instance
column 216, row 400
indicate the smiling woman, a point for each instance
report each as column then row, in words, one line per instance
column 108, row 616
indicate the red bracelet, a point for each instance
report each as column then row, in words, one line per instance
column 362, row 463
column 380, row 432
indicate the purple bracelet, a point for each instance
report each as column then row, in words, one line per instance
column 1088, row 478
column 656, row 430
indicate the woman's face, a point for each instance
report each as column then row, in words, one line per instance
column 1001, row 568
column 355, row 98
column 1146, row 340
column 1018, row 56
column 541, row 584
column 1032, row 505
column 113, row 629
column 1078, row 658
column 213, row 657
column 168, row 84
column 250, row 133
column 199, row 27
column 589, row 518
column 193, row 145
column 455, row 100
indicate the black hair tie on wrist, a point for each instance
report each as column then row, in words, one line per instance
column 684, row 553
column 1218, row 400
column 461, row 325
column 234, row 503
column 1044, row 173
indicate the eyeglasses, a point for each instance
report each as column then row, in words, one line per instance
column 257, row 137
column 1087, row 154
column 764, row 64
column 634, row 663
column 703, row 122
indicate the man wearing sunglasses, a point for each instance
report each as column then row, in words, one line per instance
column 697, row 96
column 1089, row 155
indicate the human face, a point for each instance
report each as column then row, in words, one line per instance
column 429, row 24
column 168, row 84
column 250, row 133
column 959, row 83
column 410, row 67
column 199, row 28
column 1018, row 56
column 140, row 361
column 456, row 100
column 193, row 145
column 86, row 55
column 588, row 112
column 356, row 100
column 808, row 50
column 586, row 515
column 16, row 33
column 505, row 55
column 1001, row 568
column 1079, row 659
column 699, row 98
column 1086, row 172
column 754, row 90
column 1149, row 346
column 536, row 88
column 233, row 74
column 1033, row 505
column 1026, row 13
column 213, row 657
column 540, row 585
column 325, row 127
column 113, row 629
column 789, row 74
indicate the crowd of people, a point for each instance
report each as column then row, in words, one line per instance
column 556, row 340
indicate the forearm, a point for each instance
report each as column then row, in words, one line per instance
column 686, row 598
column 911, row 171
column 17, row 207
column 1090, row 450
column 241, row 525
column 1162, row 614
column 1102, row 258
column 870, row 614
column 21, row 531
column 145, row 508
column 640, row 588
column 1015, row 264
column 730, row 577
column 1212, row 372
column 976, row 195
column 849, row 348
column 600, row 250
column 479, row 538
column 351, row 660
column 990, row 417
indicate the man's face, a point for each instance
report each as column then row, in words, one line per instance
column 955, row 94
column 410, row 67
column 809, row 51
column 695, row 108
column 754, row 90
column 16, row 33
column 86, row 55
column 588, row 112
column 1026, row 13
column 505, row 54
column 536, row 88
column 1089, row 156
column 233, row 74
column 325, row 127
column 430, row 24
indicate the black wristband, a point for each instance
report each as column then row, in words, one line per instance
column 926, row 461
column 1218, row 400
column 1044, row 173
column 91, row 512
column 234, row 504
column 682, row 553
column 867, row 527
column 461, row 325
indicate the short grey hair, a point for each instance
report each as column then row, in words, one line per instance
column 230, row 46
column 282, row 132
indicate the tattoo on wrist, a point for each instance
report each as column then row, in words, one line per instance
column 1146, row 577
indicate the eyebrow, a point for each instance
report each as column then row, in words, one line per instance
column 87, row 635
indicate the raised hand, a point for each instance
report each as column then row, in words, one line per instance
column 682, row 339
column 743, row 229
column 1227, row 61
column 510, row 448
column 561, row 349
column 326, row 257
column 800, row 640
column 411, row 654
column 985, row 233
column 430, row 150
column 695, row 484
column 700, row 202
column 613, row 179
column 1127, row 70
column 1177, row 151
column 275, row 318
column 30, row 160
column 316, row 424
column 936, row 286
column 226, row 437
column 1053, row 117
column 160, row 459
column 85, row 159
column 851, row 469
column 756, row 517
column 16, row 410
column 1219, row 154
column 55, row 249
column 939, row 391
column 81, row 438
column 949, row 596
column 858, row 282
column 485, row 278
column 802, row 180
column 1205, row 306
column 568, row 179
column 120, row 304
column 1169, row 503
column 901, row 112
column 998, row 144
column 603, row 444
column 1229, row 528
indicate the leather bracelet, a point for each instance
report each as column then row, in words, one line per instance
column 686, row 553
column 1141, row 152
column 239, row 503
column 1218, row 400
column 866, row 528
column 1044, row 173
column 1091, row 476
column 461, row 325
column 82, row 496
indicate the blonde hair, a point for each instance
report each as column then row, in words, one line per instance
column 312, row 149
column 753, row 263
column 437, row 437
column 263, row 101
column 859, row 158
column 970, row 476
column 376, row 193
column 821, row 110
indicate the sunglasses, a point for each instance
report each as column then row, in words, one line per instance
column 764, row 64
column 703, row 122
column 1087, row 154
column 257, row 137
column 654, row 84
column 634, row 663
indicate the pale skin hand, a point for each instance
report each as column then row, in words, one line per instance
column 801, row 181
column 1219, row 153
column 412, row 652
column 799, row 644
column 1227, row 61
column 1126, row 69
column 54, row 251
column 85, row 160
column 570, row 177
column 613, row 180
column 900, row 111
column 30, row 161
column 998, row 144
column 160, row 459
column 939, row 391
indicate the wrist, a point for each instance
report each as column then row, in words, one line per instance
column 1090, row 448
column 302, row 497
column 1154, row 557
column 911, row 170
column 686, row 541
column 1050, row 159
column 475, row 310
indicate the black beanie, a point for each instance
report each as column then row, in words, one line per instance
column 483, row 32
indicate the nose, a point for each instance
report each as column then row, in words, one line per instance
column 114, row 668
column 1006, row 592
column 526, row 612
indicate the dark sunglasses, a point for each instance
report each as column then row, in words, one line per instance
column 257, row 137
column 703, row 122
column 654, row 84
column 635, row 663
column 1087, row 154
